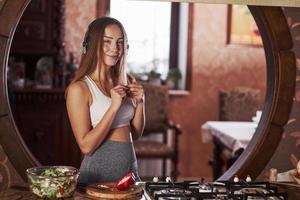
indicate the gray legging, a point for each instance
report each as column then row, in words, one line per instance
column 110, row 162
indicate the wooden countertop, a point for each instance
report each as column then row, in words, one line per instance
column 23, row 193
column 292, row 189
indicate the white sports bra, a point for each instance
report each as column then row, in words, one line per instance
column 101, row 104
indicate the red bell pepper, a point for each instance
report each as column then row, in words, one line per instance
column 125, row 182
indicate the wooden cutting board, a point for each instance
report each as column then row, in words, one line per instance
column 109, row 191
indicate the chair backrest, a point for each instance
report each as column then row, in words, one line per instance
column 156, row 108
column 239, row 104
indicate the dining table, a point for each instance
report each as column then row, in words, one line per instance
column 229, row 139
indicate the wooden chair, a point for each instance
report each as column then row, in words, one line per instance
column 238, row 104
column 157, row 123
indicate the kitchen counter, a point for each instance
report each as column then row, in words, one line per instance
column 292, row 189
column 22, row 193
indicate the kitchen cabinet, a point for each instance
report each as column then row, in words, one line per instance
column 40, row 33
column 42, row 120
column 36, row 30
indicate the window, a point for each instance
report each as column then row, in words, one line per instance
column 242, row 29
column 148, row 27
column 156, row 42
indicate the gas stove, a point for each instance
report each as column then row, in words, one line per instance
column 192, row 190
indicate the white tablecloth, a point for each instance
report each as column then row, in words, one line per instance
column 233, row 135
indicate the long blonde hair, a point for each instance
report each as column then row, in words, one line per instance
column 93, row 47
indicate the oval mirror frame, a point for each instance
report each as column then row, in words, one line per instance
column 281, row 73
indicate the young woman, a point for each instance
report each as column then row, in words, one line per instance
column 105, row 109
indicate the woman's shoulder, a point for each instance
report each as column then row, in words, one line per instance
column 78, row 88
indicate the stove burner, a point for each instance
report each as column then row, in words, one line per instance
column 191, row 190
column 176, row 191
column 201, row 187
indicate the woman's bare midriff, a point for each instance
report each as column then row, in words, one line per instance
column 121, row 134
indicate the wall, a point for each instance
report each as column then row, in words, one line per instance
column 215, row 66
column 78, row 17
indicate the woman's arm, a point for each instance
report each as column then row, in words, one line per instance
column 89, row 138
column 138, row 121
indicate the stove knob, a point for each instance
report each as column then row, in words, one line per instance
column 168, row 179
column 155, row 179
column 248, row 178
column 236, row 179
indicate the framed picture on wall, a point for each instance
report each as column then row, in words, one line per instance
column 241, row 27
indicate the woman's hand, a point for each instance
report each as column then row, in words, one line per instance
column 136, row 91
column 117, row 94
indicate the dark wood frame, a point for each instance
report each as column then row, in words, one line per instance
column 228, row 35
column 174, row 34
column 103, row 8
column 174, row 37
column 281, row 68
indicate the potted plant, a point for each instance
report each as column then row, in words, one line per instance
column 154, row 77
column 173, row 77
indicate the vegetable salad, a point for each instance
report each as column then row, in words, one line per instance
column 58, row 182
